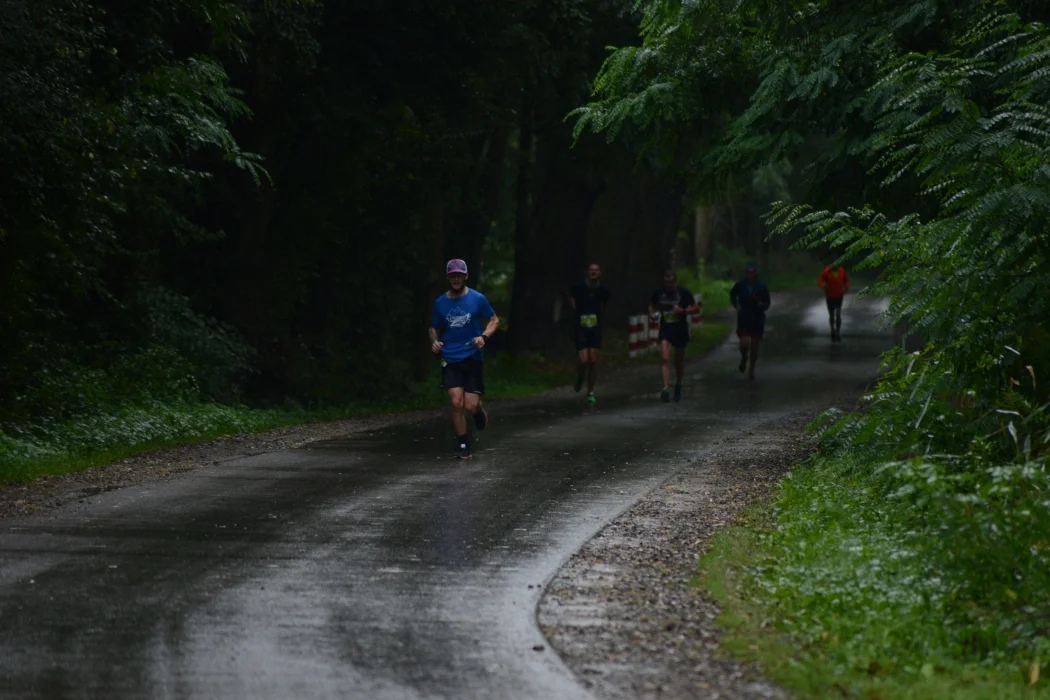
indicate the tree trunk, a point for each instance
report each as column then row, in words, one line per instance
column 519, row 308
column 704, row 221
column 435, row 281
column 482, row 197
column 554, row 236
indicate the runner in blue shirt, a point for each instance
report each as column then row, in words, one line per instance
column 750, row 298
column 458, row 334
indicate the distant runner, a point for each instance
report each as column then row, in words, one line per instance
column 672, row 305
column 750, row 298
column 589, row 299
column 835, row 283
column 456, row 333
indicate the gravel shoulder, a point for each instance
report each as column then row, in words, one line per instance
column 49, row 492
column 622, row 614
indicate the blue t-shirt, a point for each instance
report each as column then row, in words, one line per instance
column 459, row 321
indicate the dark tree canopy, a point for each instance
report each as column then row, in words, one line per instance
column 254, row 201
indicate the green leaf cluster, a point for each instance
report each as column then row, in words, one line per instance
column 920, row 136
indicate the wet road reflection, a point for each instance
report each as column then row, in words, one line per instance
column 374, row 566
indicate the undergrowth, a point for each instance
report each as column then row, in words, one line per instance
column 911, row 557
column 92, row 430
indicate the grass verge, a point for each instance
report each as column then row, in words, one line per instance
column 828, row 591
column 117, row 433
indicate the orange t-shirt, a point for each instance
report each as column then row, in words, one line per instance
column 833, row 282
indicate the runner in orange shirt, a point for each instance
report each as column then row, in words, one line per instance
column 835, row 283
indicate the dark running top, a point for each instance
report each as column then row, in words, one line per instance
column 747, row 297
column 664, row 302
column 589, row 302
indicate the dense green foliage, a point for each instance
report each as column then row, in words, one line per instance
column 918, row 132
column 960, row 433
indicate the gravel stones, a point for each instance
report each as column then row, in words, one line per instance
column 622, row 613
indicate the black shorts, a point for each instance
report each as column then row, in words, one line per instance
column 750, row 324
column 677, row 334
column 834, row 303
column 750, row 328
column 588, row 337
column 468, row 375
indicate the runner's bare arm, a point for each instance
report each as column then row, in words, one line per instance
column 491, row 327
column 435, row 342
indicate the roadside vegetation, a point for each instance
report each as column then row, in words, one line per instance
column 911, row 557
column 104, row 426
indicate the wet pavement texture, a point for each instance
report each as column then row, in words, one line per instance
column 376, row 566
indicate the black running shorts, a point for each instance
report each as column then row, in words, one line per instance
column 588, row 338
column 677, row 334
column 467, row 375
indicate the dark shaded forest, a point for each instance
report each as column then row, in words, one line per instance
column 252, row 201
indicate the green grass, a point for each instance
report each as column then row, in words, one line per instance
column 116, row 433
column 713, row 292
column 823, row 591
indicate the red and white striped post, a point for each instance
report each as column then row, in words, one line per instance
column 654, row 333
column 634, row 335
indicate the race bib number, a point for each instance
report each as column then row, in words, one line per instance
column 670, row 317
column 443, row 363
column 589, row 320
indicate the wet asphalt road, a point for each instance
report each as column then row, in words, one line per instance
column 376, row 567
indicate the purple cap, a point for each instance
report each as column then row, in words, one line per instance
column 455, row 267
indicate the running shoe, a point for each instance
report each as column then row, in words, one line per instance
column 677, row 393
column 579, row 383
column 481, row 419
column 665, row 395
column 462, row 452
column 591, row 399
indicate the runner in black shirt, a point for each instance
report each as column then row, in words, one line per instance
column 672, row 305
column 588, row 301
column 750, row 298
